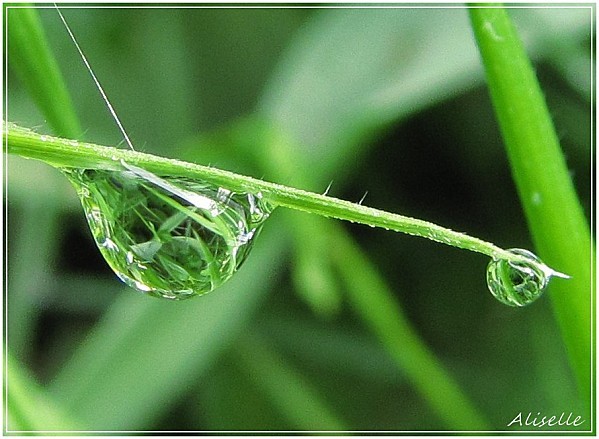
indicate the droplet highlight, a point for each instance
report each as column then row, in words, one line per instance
column 518, row 283
column 169, row 237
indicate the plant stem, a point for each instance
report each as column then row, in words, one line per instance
column 65, row 153
column 555, row 216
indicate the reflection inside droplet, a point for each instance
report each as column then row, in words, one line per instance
column 171, row 237
column 519, row 283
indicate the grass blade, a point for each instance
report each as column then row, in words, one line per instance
column 374, row 302
column 299, row 402
column 42, row 221
column 71, row 154
column 29, row 408
column 32, row 60
column 555, row 216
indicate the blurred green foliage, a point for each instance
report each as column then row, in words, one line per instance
column 391, row 101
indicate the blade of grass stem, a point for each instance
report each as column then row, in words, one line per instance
column 31, row 58
column 555, row 216
column 69, row 153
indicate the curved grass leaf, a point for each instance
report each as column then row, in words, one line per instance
column 29, row 408
column 30, row 56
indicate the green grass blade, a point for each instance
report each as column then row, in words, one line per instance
column 555, row 216
column 325, row 347
column 300, row 403
column 313, row 276
column 39, row 220
column 30, row 57
column 71, row 154
column 372, row 299
column 29, row 408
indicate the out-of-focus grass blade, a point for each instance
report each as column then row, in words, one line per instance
column 565, row 43
column 33, row 246
column 29, row 408
column 346, row 62
column 32, row 224
column 229, row 400
column 330, row 348
column 170, row 95
column 145, row 351
column 555, row 217
column 350, row 72
column 313, row 276
column 31, row 58
column 374, row 302
column 297, row 399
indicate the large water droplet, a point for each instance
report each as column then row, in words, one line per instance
column 518, row 283
column 170, row 237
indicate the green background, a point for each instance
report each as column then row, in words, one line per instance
column 389, row 101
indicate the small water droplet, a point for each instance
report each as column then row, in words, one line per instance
column 170, row 237
column 44, row 138
column 518, row 283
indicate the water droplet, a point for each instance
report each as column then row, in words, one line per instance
column 170, row 237
column 519, row 283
